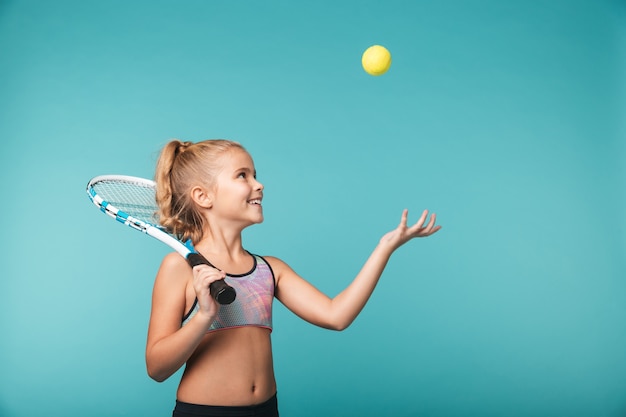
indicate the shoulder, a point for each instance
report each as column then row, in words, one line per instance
column 174, row 270
column 174, row 262
column 280, row 268
column 275, row 263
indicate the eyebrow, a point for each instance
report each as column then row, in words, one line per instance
column 246, row 169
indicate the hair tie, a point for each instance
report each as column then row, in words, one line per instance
column 182, row 147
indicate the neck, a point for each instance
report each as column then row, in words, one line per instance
column 221, row 243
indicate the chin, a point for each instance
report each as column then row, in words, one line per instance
column 256, row 220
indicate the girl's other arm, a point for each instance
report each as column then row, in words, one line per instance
column 169, row 346
column 339, row 312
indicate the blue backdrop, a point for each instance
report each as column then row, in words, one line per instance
column 506, row 118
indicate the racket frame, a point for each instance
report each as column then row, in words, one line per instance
column 223, row 293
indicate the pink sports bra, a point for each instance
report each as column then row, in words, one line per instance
column 253, row 304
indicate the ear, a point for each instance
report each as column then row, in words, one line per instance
column 202, row 197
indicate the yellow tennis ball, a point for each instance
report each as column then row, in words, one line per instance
column 376, row 60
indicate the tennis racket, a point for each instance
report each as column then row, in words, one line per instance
column 131, row 201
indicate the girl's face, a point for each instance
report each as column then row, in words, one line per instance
column 237, row 193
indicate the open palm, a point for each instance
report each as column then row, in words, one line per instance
column 403, row 233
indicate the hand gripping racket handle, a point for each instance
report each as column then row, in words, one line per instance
column 220, row 290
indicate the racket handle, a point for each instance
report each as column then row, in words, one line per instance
column 220, row 290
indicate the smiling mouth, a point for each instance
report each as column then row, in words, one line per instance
column 255, row 202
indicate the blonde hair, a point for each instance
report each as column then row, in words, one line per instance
column 181, row 167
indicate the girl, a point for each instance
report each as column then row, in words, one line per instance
column 207, row 192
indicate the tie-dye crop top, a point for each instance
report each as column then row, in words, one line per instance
column 253, row 304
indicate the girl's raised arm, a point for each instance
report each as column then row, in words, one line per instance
column 339, row 312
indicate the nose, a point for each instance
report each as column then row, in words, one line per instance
column 258, row 186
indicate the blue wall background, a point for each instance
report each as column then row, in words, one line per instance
column 504, row 117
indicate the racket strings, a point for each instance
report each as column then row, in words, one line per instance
column 136, row 200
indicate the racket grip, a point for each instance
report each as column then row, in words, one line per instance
column 220, row 290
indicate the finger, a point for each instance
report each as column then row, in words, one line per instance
column 205, row 276
column 404, row 218
column 425, row 231
column 217, row 277
column 417, row 226
column 423, row 218
column 201, row 267
column 431, row 223
column 203, row 284
column 211, row 278
column 431, row 230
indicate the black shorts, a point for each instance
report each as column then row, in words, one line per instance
column 267, row 409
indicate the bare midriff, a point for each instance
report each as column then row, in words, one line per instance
column 230, row 367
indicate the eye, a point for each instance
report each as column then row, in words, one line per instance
column 241, row 175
